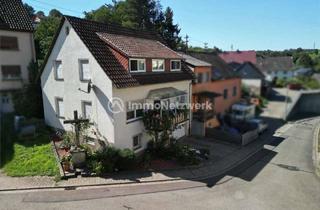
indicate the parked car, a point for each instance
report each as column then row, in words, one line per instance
column 262, row 125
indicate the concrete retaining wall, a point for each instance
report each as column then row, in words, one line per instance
column 308, row 103
column 316, row 151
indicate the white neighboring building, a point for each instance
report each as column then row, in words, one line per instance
column 124, row 64
column 16, row 50
column 276, row 67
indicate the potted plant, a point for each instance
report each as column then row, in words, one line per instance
column 66, row 162
column 67, row 142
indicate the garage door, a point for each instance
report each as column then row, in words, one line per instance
column 180, row 131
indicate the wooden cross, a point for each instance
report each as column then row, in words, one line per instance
column 76, row 122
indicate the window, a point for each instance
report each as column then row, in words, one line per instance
column 5, row 99
column 139, row 113
column 11, row 72
column 175, row 65
column 86, row 109
column 85, row 73
column 199, row 78
column 157, row 65
column 67, row 30
column 183, row 99
column 208, row 77
column 225, row 93
column 136, row 142
column 58, row 70
column 137, row 65
column 8, row 43
column 234, row 92
column 60, row 108
column 133, row 115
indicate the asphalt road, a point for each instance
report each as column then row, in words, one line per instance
column 278, row 177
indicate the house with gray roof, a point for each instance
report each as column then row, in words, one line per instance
column 276, row 67
column 251, row 77
column 16, row 50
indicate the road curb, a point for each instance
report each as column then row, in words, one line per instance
column 316, row 153
column 199, row 178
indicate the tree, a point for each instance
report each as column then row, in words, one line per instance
column 28, row 100
column 305, row 60
column 169, row 30
column 29, row 9
column 55, row 13
column 44, row 35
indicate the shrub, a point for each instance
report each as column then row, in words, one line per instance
column 110, row 160
column 182, row 153
column 126, row 160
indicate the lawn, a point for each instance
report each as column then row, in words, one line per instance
column 30, row 156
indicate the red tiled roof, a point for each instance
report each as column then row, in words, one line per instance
column 138, row 47
column 239, row 56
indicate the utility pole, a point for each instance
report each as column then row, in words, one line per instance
column 205, row 45
column 186, row 41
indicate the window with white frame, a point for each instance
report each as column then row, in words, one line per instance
column 137, row 65
column 157, row 65
column 136, row 141
column 175, row 65
column 87, row 109
column 85, row 73
column 58, row 70
column 59, row 107
column 133, row 115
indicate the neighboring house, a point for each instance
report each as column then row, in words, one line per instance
column 223, row 81
column 276, row 67
column 124, row 66
column 202, row 92
column 16, row 50
column 305, row 72
column 251, row 77
column 239, row 56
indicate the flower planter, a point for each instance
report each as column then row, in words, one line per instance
column 78, row 158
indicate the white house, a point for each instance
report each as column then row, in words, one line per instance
column 251, row 77
column 276, row 67
column 124, row 66
column 16, row 50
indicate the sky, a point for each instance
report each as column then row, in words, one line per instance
column 243, row 24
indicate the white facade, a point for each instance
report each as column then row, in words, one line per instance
column 20, row 57
column 254, row 85
column 110, row 126
column 279, row 74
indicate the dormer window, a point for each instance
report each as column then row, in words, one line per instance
column 157, row 65
column 137, row 65
column 175, row 65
